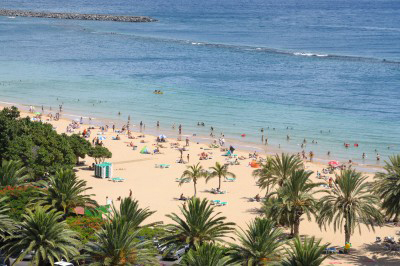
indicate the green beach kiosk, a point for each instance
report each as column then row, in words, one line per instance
column 103, row 170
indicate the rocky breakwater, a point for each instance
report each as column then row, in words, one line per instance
column 75, row 16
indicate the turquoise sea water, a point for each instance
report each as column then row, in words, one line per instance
column 235, row 65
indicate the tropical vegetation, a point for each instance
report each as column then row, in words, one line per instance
column 207, row 254
column 13, row 173
column 200, row 224
column 44, row 235
column 349, row 204
column 308, row 252
column 64, row 191
column 387, row 187
column 294, row 198
column 261, row 243
column 220, row 171
column 193, row 173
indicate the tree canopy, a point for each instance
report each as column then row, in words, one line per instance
column 37, row 145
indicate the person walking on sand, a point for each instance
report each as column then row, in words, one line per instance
column 188, row 157
column 187, row 141
column 130, row 193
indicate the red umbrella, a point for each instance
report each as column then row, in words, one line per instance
column 334, row 163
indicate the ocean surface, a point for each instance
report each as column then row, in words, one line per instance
column 318, row 70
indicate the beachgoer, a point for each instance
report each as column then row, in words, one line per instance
column 130, row 193
column 257, row 198
column 187, row 141
column 158, row 123
column 188, row 157
column 363, row 155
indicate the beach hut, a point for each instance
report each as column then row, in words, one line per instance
column 103, row 170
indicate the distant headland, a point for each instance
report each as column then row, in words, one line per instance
column 76, row 16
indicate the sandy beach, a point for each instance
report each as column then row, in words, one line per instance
column 157, row 189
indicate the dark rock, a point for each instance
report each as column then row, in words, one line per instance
column 75, row 16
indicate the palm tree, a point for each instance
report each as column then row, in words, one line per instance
column 65, row 191
column 193, row 173
column 207, row 254
column 261, row 243
column 264, row 175
column 117, row 244
column 6, row 223
column 387, row 187
column 13, row 173
column 284, row 166
column 219, row 171
column 43, row 234
column 308, row 252
column 200, row 224
column 129, row 211
column 293, row 199
column 349, row 204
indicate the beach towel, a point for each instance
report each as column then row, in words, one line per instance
column 228, row 153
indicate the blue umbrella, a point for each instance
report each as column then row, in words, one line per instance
column 162, row 136
column 102, row 138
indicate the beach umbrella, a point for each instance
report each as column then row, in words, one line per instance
column 334, row 163
column 162, row 136
column 77, row 120
column 37, row 113
column 101, row 137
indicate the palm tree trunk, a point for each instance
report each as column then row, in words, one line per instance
column 219, row 187
column 346, row 233
column 195, row 190
column 296, row 227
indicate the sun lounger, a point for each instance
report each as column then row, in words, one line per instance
column 224, row 203
column 215, row 202
column 117, row 179
column 180, row 179
column 230, row 179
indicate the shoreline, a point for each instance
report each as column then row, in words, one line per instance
column 74, row 16
column 242, row 146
